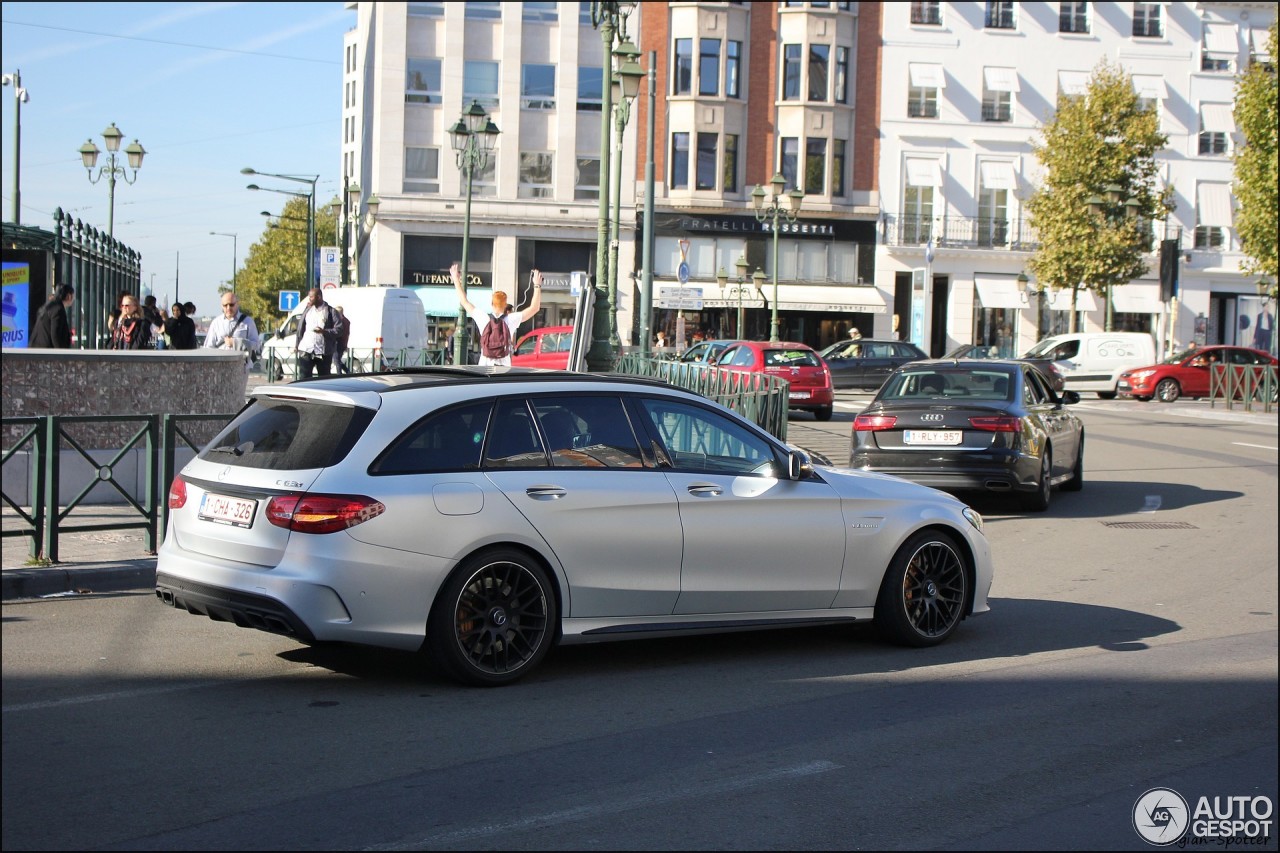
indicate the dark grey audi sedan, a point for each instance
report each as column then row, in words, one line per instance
column 982, row 425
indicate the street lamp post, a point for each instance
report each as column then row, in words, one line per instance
column 89, row 156
column 311, row 212
column 723, row 279
column 1032, row 294
column 473, row 138
column 626, row 85
column 346, row 211
column 20, row 97
column 774, row 213
column 234, row 256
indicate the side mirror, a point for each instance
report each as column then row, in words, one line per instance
column 1070, row 397
column 799, row 465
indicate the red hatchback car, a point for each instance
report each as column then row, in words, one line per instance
column 810, row 379
column 1186, row 374
column 546, row 347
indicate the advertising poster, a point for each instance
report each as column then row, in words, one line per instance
column 16, row 305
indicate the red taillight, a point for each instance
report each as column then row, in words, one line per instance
column 178, row 493
column 873, row 423
column 997, row 424
column 321, row 513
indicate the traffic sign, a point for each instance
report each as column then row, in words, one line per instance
column 679, row 298
column 682, row 273
column 289, row 300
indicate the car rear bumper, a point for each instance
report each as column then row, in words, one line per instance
column 819, row 398
column 1006, row 472
column 247, row 610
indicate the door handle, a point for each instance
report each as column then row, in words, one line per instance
column 545, row 493
column 705, row 490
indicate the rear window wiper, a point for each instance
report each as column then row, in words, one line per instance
column 237, row 450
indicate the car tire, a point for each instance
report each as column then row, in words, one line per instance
column 1076, row 483
column 494, row 619
column 823, row 414
column 1143, row 399
column 1168, row 390
column 1039, row 499
column 1106, row 395
column 925, row 591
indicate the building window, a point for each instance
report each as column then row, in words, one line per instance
column 705, row 173
column 999, row 16
column 815, row 166
column 1209, row 237
column 535, row 174
column 586, row 183
column 422, row 170
column 538, row 87
column 584, row 13
column 922, row 102
column 791, row 72
column 1218, row 47
column 929, row 13
column 484, row 11
column 993, row 217
column 682, row 78
column 679, row 161
column 842, row 75
column 790, row 161
column 917, row 215
column 819, row 65
column 541, row 13
column 732, row 69
column 1073, row 17
column 837, row 167
column 998, row 87
column 590, row 95
column 1216, row 122
column 1146, row 20
column 480, row 82
column 484, row 180
column 422, row 84
column 426, row 10
column 709, row 66
column 1212, row 143
column 730, row 163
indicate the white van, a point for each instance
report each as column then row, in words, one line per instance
column 1093, row 361
column 388, row 324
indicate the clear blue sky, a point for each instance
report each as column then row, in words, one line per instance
column 207, row 89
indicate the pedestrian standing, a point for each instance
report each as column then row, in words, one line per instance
column 132, row 331
column 180, row 328
column 52, row 329
column 497, row 329
column 340, row 349
column 317, row 336
column 234, row 330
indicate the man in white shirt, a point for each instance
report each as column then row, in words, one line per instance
column 492, row 350
column 317, row 336
column 234, row 330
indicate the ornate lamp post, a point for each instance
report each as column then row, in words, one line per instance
column 234, row 256
column 739, row 290
column 311, row 212
column 20, row 97
column 346, row 212
column 775, row 214
column 89, row 156
column 626, row 85
column 1033, row 295
column 474, row 137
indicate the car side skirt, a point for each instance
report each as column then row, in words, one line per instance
column 587, row 630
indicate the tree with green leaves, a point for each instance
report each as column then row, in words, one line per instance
column 1094, row 209
column 278, row 261
column 1255, row 184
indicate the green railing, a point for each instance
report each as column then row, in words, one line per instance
column 1244, row 384
column 756, row 396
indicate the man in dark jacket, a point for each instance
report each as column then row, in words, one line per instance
column 180, row 328
column 317, row 336
column 52, row 329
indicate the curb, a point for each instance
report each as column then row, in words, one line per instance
column 79, row 578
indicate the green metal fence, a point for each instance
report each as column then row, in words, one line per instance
column 1243, row 384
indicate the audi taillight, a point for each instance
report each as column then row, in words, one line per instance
column 321, row 513
column 178, row 493
column 873, row 423
column 1000, row 423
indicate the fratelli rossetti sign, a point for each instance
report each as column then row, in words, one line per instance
column 685, row 223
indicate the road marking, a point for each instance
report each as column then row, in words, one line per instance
column 1259, row 446
column 104, row 697
column 1152, row 504
column 457, row 836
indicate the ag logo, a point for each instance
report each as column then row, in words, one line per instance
column 1160, row 816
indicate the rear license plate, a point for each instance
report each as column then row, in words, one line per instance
column 933, row 436
column 799, row 395
column 238, row 512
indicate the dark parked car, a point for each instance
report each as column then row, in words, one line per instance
column 982, row 351
column 1186, row 374
column 990, row 425
column 866, row 363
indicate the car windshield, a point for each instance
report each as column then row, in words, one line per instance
column 974, row 351
column 790, row 358
column 1179, row 357
column 1042, row 349
column 930, row 383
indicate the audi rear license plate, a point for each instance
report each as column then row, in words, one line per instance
column 933, row 436
column 799, row 395
column 238, row 512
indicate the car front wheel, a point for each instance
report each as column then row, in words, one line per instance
column 1168, row 390
column 925, row 591
column 494, row 619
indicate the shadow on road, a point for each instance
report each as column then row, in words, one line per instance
column 1105, row 499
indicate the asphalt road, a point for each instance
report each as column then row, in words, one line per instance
column 1115, row 659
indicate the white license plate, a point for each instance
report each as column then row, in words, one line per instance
column 799, row 395
column 238, row 512
column 933, row 436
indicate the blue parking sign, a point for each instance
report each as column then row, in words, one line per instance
column 289, row 300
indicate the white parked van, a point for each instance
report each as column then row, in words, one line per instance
column 388, row 325
column 1093, row 361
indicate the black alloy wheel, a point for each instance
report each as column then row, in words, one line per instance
column 1076, row 483
column 494, row 619
column 925, row 591
column 1039, row 499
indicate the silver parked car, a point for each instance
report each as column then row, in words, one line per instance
column 480, row 515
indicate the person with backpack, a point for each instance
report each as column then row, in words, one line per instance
column 497, row 328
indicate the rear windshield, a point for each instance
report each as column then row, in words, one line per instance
column 790, row 358
column 285, row 435
column 961, row 384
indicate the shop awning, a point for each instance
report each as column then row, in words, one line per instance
column 997, row 175
column 1137, row 297
column 923, row 173
column 805, row 297
column 1217, row 118
column 1073, row 82
column 1001, row 79
column 1220, row 40
column 1060, row 300
column 1258, row 45
column 998, row 291
column 927, row 75
column 1213, row 205
column 1150, row 86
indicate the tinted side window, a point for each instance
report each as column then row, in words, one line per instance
column 701, row 440
column 587, row 432
column 1063, row 351
column 560, row 342
column 742, row 356
column 1033, row 393
column 527, row 346
column 285, row 435
column 513, row 441
column 444, row 441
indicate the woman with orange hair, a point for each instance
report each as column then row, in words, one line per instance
column 497, row 328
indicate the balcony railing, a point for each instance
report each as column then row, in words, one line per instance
column 958, row 232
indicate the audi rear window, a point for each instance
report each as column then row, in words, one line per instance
column 288, row 435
